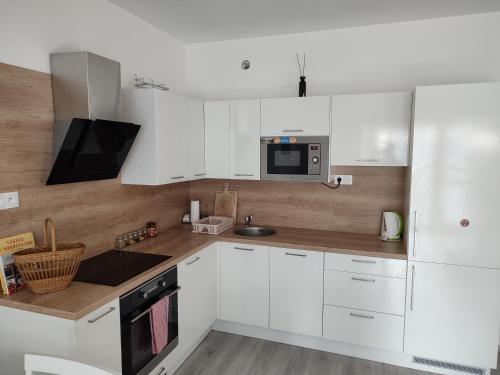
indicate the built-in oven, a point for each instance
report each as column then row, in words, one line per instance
column 137, row 348
column 294, row 158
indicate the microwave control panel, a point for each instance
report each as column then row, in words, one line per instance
column 314, row 160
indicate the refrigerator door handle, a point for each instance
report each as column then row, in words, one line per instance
column 415, row 234
column 412, row 287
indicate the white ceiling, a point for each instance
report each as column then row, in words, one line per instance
column 195, row 21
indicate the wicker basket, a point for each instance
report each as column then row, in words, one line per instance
column 48, row 270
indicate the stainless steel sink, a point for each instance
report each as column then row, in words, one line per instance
column 254, row 231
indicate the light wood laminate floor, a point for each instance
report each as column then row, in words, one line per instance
column 227, row 354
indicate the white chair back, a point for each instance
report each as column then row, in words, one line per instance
column 58, row 366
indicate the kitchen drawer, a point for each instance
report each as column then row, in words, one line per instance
column 367, row 265
column 365, row 292
column 365, row 328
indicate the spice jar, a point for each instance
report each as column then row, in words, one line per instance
column 120, row 242
column 152, row 230
column 126, row 240
column 135, row 236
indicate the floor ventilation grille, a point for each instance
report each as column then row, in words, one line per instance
column 449, row 366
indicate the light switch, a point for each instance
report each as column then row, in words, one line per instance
column 9, row 200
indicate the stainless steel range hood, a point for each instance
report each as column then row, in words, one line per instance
column 88, row 142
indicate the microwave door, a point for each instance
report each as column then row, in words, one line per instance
column 287, row 159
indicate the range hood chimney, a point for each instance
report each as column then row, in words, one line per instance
column 88, row 142
column 85, row 85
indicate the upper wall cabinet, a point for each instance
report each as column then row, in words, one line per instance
column 217, row 139
column 244, row 139
column 371, row 129
column 161, row 151
column 295, row 116
column 197, row 139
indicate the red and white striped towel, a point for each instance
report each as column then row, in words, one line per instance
column 158, row 319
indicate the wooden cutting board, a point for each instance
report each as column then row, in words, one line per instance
column 226, row 202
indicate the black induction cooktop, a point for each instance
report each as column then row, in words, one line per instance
column 116, row 266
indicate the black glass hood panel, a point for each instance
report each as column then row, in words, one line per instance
column 92, row 150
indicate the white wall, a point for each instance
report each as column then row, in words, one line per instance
column 31, row 29
column 365, row 59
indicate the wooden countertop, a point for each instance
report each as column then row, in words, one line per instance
column 179, row 242
column 327, row 241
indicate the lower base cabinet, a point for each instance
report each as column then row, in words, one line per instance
column 94, row 339
column 244, row 284
column 98, row 338
column 296, row 291
column 197, row 277
column 383, row 331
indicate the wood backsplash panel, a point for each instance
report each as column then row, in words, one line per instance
column 355, row 208
column 90, row 212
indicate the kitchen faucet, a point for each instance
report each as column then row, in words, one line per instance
column 248, row 220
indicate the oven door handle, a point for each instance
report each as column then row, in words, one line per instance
column 168, row 294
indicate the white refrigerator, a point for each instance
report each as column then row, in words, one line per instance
column 453, row 232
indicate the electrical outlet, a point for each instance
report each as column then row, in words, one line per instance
column 9, row 200
column 346, row 179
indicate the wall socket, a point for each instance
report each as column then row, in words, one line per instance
column 346, row 179
column 9, row 200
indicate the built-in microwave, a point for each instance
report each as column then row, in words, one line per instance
column 294, row 158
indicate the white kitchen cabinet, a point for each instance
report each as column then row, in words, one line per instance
column 161, row 151
column 309, row 116
column 366, row 265
column 452, row 313
column 365, row 292
column 244, row 284
column 454, row 201
column 28, row 332
column 217, row 139
column 371, row 129
column 244, row 131
column 173, row 137
column 197, row 139
column 367, row 328
column 98, row 339
column 197, row 276
column 94, row 339
column 296, row 291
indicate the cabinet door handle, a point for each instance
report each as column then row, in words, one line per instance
column 176, row 177
column 111, row 309
column 194, row 260
column 200, row 174
column 243, row 248
column 415, row 234
column 162, row 370
column 362, row 316
column 296, row 255
column 362, row 279
column 364, row 261
column 243, row 175
column 368, row 160
column 293, row 130
column 412, row 292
